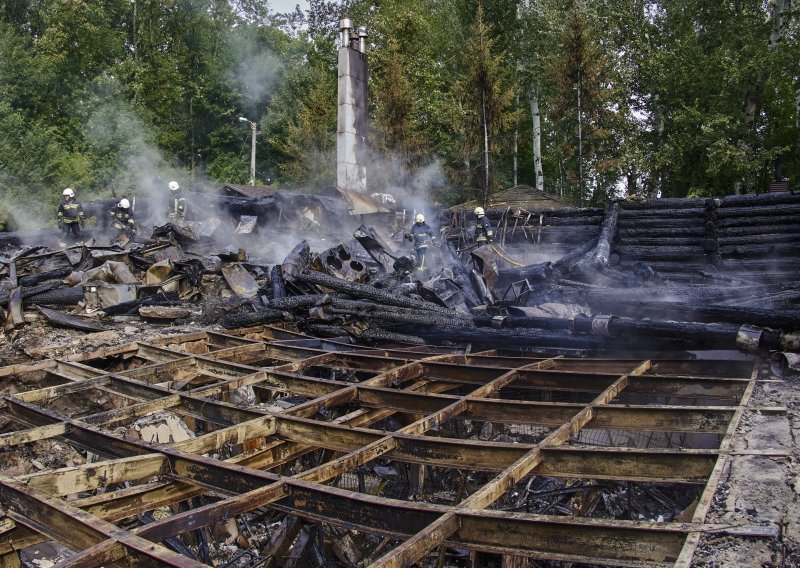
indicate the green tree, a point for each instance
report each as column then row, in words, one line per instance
column 487, row 92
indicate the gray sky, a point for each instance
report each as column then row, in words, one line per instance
column 287, row 5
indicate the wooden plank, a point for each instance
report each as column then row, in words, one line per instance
column 87, row 477
column 75, row 528
column 31, row 435
column 409, row 553
column 684, row 560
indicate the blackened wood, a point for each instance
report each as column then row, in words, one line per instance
column 242, row 319
column 705, row 335
column 375, row 334
column 768, row 265
column 759, row 211
column 296, row 261
column 60, row 296
column 756, row 251
column 371, row 293
column 665, row 203
column 132, row 307
column 56, row 274
column 694, row 213
column 299, row 302
column 789, row 228
column 523, row 322
column 28, row 292
column 757, row 221
column 637, row 223
column 523, row 338
column 655, row 232
column 787, row 320
column 748, row 201
column 322, row 330
column 397, row 314
column 278, row 285
column 665, row 252
column 597, row 259
column 670, row 241
column 762, row 239
column 368, row 239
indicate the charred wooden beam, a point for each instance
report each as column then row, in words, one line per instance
column 760, row 221
column 666, row 233
column 77, row 530
column 376, row 334
column 759, row 211
column 247, row 319
column 371, row 293
column 664, row 213
column 596, row 260
column 366, row 309
column 776, row 250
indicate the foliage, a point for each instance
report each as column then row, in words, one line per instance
column 678, row 97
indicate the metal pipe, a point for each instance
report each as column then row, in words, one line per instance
column 783, row 362
column 345, row 26
column 362, row 39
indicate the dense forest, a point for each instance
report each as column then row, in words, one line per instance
column 583, row 99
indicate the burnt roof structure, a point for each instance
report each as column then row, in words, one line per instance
column 519, row 197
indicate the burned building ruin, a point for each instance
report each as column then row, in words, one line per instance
column 273, row 383
column 600, row 404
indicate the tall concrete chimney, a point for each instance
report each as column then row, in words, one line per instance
column 351, row 130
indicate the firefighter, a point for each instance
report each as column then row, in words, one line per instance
column 421, row 235
column 122, row 221
column 483, row 229
column 177, row 209
column 70, row 215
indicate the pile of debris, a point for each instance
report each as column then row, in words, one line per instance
column 528, row 398
column 688, row 284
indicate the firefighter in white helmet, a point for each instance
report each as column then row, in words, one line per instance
column 483, row 228
column 70, row 214
column 177, row 209
column 122, row 221
column 421, row 235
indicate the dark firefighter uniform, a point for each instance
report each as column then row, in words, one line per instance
column 70, row 217
column 122, row 223
column 421, row 236
column 177, row 203
column 483, row 230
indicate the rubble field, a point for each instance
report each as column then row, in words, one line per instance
column 594, row 388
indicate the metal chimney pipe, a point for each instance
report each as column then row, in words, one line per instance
column 345, row 26
column 362, row 39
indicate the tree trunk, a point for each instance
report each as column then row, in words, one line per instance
column 536, row 118
column 485, row 148
column 516, row 146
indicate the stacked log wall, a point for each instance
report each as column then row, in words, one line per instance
column 734, row 235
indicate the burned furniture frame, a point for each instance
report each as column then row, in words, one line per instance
column 424, row 391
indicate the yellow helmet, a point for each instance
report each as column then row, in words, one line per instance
column 420, row 218
column 479, row 211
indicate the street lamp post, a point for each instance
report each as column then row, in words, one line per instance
column 252, row 149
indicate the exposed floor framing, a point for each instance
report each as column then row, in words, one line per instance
column 650, row 426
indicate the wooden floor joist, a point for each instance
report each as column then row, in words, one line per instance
column 433, row 398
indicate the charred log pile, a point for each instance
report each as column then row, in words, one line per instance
column 744, row 236
column 677, row 273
